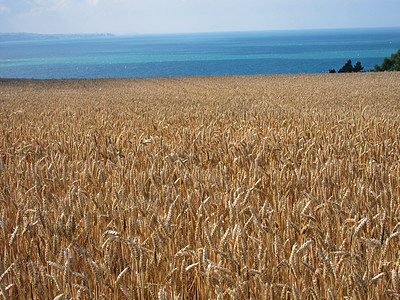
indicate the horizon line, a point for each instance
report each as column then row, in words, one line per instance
column 204, row 32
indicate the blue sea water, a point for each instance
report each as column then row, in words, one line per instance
column 231, row 53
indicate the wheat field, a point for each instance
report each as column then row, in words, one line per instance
column 236, row 187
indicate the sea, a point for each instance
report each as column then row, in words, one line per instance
column 221, row 53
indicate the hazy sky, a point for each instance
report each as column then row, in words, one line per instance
column 169, row 16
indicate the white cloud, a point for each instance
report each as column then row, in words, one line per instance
column 40, row 6
column 4, row 9
column 93, row 2
column 158, row 16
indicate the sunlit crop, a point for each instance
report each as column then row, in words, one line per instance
column 247, row 187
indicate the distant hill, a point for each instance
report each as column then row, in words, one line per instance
column 23, row 36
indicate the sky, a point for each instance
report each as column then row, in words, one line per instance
column 179, row 16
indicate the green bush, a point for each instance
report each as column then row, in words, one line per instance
column 348, row 68
column 389, row 64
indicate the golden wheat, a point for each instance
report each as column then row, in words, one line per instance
column 241, row 187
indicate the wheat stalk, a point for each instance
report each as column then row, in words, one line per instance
column 206, row 187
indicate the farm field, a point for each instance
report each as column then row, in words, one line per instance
column 225, row 187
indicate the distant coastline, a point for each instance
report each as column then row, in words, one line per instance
column 28, row 36
column 25, row 36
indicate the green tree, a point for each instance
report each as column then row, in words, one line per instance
column 348, row 68
column 358, row 67
column 389, row 64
